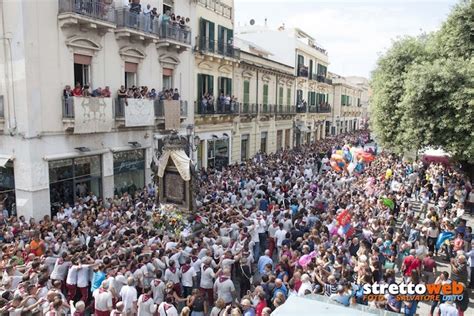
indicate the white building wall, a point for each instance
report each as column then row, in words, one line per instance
column 43, row 63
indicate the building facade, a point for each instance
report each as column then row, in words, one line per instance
column 55, row 148
column 236, row 96
column 215, row 61
column 313, row 90
column 347, row 109
column 266, row 88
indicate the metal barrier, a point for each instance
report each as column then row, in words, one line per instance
column 176, row 32
column 68, row 107
column 92, row 8
column 137, row 21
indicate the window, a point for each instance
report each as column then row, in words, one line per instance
column 129, row 171
column 82, row 69
column 7, row 186
column 225, row 86
column 288, row 96
column 287, row 138
column 130, row 74
column 280, row 95
column 310, row 76
column 167, row 78
column 225, row 38
column 206, row 31
column 205, row 85
column 265, row 94
column 279, row 139
column 263, row 142
column 244, row 147
column 299, row 96
column 246, row 92
column 73, row 178
column 322, row 70
column 300, row 60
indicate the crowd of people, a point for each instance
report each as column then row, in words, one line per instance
column 133, row 92
column 226, row 103
column 243, row 251
column 168, row 23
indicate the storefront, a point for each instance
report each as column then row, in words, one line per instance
column 73, row 178
column 129, row 171
column 7, row 185
column 218, row 152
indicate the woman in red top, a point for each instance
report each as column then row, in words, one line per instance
column 77, row 91
column 262, row 303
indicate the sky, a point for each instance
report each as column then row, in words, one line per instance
column 353, row 32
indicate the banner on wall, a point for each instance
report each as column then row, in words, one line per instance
column 92, row 115
column 172, row 114
column 139, row 112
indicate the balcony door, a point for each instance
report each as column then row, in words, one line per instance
column 82, row 69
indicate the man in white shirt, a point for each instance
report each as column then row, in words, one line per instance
column 207, row 281
column 280, row 235
column 71, row 280
column 167, row 308
column 129, row 296
column 158, row 288
column 102, row 300
column 146, row 305
column 83, row 278
column 187, row 277
column 224, row 287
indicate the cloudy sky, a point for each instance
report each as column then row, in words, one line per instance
column 354, row 32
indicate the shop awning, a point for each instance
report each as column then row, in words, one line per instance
column 4, row 159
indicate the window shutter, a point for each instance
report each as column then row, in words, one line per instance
column 200, row 91
column 229, row 86
column 265, row 94
column 211, row 35
column 310, row 72
column 202, row 34
column 210, row 84
column 288, row 96
column 82, row 59
column 246, row 92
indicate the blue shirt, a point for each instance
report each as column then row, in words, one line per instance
column 262, row 262
column 97, row 280
column 249, row 312
column 281, row 289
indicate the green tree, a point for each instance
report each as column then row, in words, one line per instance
column 388, row 89
column 423, row 89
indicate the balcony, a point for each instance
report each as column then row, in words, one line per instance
column 175, row 37
column 216, row 109
column 160, row 108
column 136, row 26
column 303, row 71
column 68, row 108
column 207, row 45
column 319, row 108
column 248, row 109
column 89, row 14
column 85, row 115
column 218, row 7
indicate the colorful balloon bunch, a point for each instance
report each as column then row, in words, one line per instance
column 350, row 160
column 343, row 226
